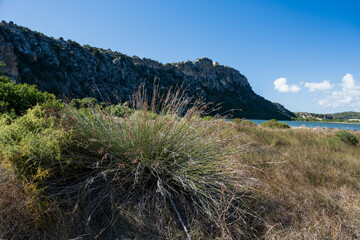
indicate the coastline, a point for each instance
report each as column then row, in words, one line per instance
column 327, row 122
column 315, row 125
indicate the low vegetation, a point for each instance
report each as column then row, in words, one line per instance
column 347, row 137
column 347, row 117
column 273, row 123
column 157, row 170
column 244, row 122
column 15, row 99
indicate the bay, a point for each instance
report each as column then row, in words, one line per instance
column 347, row 126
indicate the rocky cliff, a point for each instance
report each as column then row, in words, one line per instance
column 67, row 69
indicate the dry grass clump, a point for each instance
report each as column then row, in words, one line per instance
column 22, row 215
column 14, row 215
column 310, row 179
column 160, row 162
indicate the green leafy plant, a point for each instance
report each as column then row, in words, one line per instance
column 346, row 137
column 208, row 118
column 83, row 103
column 273, row 123
column 237, row 120
column 118, row 110
column 249, row 123
column 15, row 99
column 33, row 142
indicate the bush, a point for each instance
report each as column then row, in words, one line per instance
column 83, row 103
column 33, row 143
column 249, row 123
column 208, row 118
column 118, row 110
column 273, row 123
column 15, row 99
column 5, row 119
column 237, row 120
column 346, row 137
column 239, row 123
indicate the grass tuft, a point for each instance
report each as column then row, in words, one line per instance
column 161, row 158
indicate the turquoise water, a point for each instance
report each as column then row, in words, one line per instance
column 348, row 126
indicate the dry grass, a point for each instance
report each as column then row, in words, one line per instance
column 310, row 180
column 14, row 215
column 18, row 218
column 304, row 184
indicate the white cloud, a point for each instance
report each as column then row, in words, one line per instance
column 347, row 95
column 323, row 86
column 281, row 85
column 348, row 82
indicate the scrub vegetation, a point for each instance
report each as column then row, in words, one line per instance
column 156, row 169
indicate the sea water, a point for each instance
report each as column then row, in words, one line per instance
column 348, row 126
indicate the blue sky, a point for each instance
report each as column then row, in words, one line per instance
column 304, row 54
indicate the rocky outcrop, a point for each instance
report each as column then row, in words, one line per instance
column 8, row 56
column 282, row 109
column 67, row 69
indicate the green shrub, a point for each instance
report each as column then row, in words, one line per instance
column 346, row 137
column 208, row 118
column 15, row 99
column 83, row 103
column 249, row 123
column 273, row 123
column 118, row 110
column 5, row 120
column 2, row 65
column 239, row 123
column 33, row 142
column 237, row 120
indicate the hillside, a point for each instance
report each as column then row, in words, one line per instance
column 66, row 68
column 346, row 115
column 330, row 117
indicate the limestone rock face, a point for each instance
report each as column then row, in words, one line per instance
column 8, row 56
column 67, row 69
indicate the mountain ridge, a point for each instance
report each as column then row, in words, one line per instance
column 66, row 68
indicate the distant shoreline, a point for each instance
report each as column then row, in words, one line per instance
column 311, row 124
column 325, row 122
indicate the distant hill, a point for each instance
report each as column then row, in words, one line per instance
column 312, row 116
column 346, row 115
column 66, row 68
column 343, row 116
